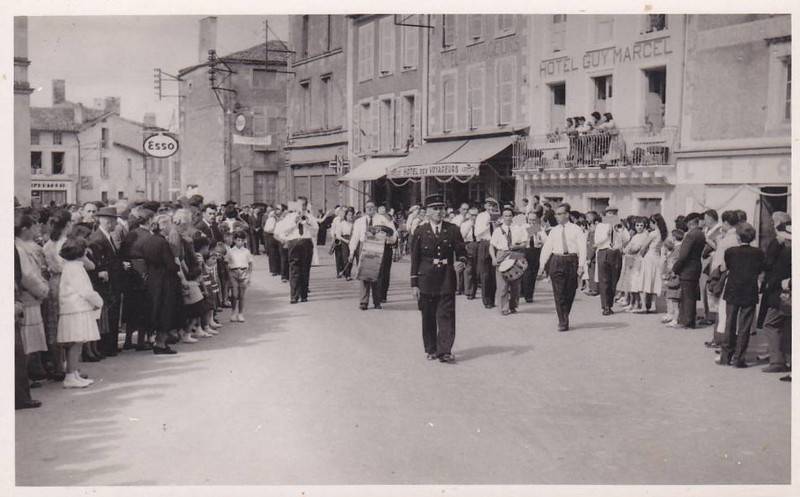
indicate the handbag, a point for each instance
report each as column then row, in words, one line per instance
column 192, row 293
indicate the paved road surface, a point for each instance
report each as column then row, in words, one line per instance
column 321, row 393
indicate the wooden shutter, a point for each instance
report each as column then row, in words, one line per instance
column 356, row 129
column 410, row 47
column 417, row 121
column 448, row 30
column 475, row 26
column 505, row 91
column 398, row 131
column 375, row 118
column 386, row 48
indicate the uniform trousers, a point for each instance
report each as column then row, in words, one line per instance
column 386, row 272
column 22, row 388
column 471, row 270
column 486, row 272
column 609, row 267
column 338, row 256
column 778, row 328
column 272, row 248
column 739, row 320
column 529, row 277
column 438, row 322
column 460, row 281
column 299, row 255
column 284, row 256
column 563, row 271
column 108, row 341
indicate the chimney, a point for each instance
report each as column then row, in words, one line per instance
column 59, row 92
column 208, row 38
column 149, row 120
column 112, row 104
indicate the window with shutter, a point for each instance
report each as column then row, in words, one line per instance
column 375, row 131
column 505, row 24
column 448, row 102
column 386, row 133
column 475, row 96
column 603, row 28
column 398, row 128
column 366, row 51
column 387, row 45
column 416, row 121
column 505, row 91
column 475, row 27
column 558, row 32
column 410, row 52
column 448, row 31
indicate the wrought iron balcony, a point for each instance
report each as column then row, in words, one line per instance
column 622, row 147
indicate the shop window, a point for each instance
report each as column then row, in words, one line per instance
column 475, row 27
column 408, row 116
column 558, row 32
column 104, row 197
column 655, row 98
column 505, row 24
column 34, row 137
column 602, row 93
column 409, row 46
column 120, row 195
column 305, row 105
column 366, row 51
column 558, row 103
column 57, row 138
column 603, row 30
column 448, row 31
column 598, row 204
column 655, row 22
column 448, row 102
column 58, row 162
column 36, row 162
column 475, row 96
column 386, row 47
column 505, row 91
column 648, row 206
column 104, row 167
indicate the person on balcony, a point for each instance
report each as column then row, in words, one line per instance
column 572, row 135
column 614, row 151
column 584, row 152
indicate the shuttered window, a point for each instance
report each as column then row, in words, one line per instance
column 366, row 51
column 410, row 48
column 505, row 24
column 448, row 102
column 475, row 27
column 505, row 91
column 448, row 31
column 475, row 96
column 375, row 129
column 387, row 50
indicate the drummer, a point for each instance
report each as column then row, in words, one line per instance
column 508, row 241
column 370, row 221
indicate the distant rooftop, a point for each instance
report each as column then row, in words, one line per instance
column 278, row 55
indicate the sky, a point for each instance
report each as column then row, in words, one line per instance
column 106, row 56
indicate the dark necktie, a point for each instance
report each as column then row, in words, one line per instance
column 369, row 222
column 612, row 236
column 300, row 226
column 473, row 233
column 508, row 237
column 491, row 226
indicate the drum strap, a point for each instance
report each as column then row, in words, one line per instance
column 508, row 238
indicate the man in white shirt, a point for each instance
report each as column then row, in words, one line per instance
column 484, row 227
column 458, row 220
column 366, row 223
column 609, row 239
column 388, row 253
column 338, row 214
column 507, row 238
column 270, row 243
column 298, row 229
column 565, row 252
column 471, row 244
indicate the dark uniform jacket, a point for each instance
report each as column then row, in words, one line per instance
column 781, row 269
column 213, row 233
column 744, row 264
column 688, row 266
column 432, row 258
column 106, row 258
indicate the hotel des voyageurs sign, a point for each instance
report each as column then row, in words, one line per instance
column 606, row 57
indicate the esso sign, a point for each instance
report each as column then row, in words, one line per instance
column 161, row 146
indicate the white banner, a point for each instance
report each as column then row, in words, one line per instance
column 444, row 170
column 264, row 141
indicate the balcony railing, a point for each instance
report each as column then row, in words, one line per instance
column 623, row 147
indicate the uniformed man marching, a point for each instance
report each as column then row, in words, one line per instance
column 437, row 252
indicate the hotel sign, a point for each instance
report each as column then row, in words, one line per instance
column 606, row 57
column 440, row 170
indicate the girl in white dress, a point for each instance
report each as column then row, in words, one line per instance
column 652, row 263
column 79, row 309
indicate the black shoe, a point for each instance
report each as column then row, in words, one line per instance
column 304, row 299
column 128, row 346
column 163, row 350
column 530, row 301
column 788, row 377
column 470, row 297
column 363, row 307
column 378, row 306
column 776, row 368
column 563, row 327
column 36, row 384
column 144, row 347
column 711, row 345
column 740, row 364
column 56, row 376
column 606, row 312
column 449, row 358
column 89, row 358
column 513, row 311
column 29, row 404
column 293, row 301
column 432, row 357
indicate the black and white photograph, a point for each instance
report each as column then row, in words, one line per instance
column 497, row 253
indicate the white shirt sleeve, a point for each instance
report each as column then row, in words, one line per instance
column 547, row 249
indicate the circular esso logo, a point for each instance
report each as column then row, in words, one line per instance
column 161, row 146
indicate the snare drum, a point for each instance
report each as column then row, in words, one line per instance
column 512, row 267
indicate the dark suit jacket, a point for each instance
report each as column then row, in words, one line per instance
column 688, row 265
column 780, row 270
column 744, row 264
column 431, row 278
column 106, row 258
column 212, row 233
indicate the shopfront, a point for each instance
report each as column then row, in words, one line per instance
column 462, row 170
column 43, row 192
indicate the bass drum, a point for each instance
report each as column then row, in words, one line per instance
column 369, row 262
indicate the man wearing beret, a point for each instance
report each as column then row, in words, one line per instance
column 437, row 252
